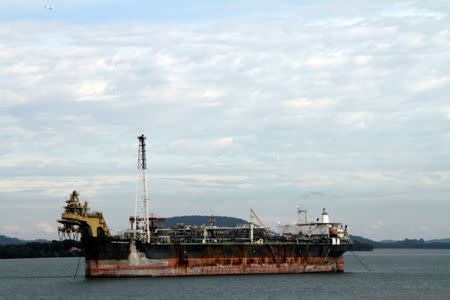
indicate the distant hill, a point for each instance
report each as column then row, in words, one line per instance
column 35, row 249
column 356, row 238
column 6, row 240
column 406, row 243
column 361, row 244
column 387, row 241
column 203, row 220
column 413, row 243
column 447, row 241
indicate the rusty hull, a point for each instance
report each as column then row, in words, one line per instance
column 211, row 266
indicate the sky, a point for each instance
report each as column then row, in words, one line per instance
column 245, row 104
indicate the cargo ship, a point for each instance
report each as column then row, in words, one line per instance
column 150, row 249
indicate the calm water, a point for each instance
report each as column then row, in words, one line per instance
column 396, row 274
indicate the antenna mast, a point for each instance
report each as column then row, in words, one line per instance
column 302, row 211
column 141, row 213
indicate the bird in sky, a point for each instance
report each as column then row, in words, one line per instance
column 48, row 7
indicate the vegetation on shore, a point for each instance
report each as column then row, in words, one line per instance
column 66, row 248
column 360, row 243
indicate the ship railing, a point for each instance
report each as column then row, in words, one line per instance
column 164, row 239
column 168, row 239
column 119, row 234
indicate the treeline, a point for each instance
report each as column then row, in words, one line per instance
column 413, row 243
column 66, row 248
column 360, row 246
column 360, row 243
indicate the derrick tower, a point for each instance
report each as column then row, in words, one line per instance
column 141, row 214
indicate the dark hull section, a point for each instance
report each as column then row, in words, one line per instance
column 114, row 258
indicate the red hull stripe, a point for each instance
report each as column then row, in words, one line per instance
column 211, row 266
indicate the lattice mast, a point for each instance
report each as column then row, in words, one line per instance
column 141, row 214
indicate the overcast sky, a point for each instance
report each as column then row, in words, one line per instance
column 251, row 104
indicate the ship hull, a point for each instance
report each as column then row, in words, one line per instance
column 236, row 266
column 127, row 259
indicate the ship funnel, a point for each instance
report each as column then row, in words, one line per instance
column 325, row 218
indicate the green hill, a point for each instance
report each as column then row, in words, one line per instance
column 6, row 240
column 36, row 249
column 361, row 244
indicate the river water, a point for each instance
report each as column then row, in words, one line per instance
column 394, row 274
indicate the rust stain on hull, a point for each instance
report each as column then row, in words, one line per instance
column 213, row 266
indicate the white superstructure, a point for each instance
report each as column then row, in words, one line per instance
column 321, row 228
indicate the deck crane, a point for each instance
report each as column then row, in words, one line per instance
column 260, row 223
column 252, row 212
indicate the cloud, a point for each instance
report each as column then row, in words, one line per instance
column 446, row 112
column 207, row 179
column 407, row 10
column 165, row 60
column 338, row 22
column 13, row 230
column 10, row 98
column 59, row 185
column 40, row 230
column 379, row 224
column 303, row 103
column 45, row 227
column 224, row 142
column 428, row 84
column 360, row 119
column 326, row 60
column 211, row 93
column 22, row 69
column 336, row 101
column 94, row 90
